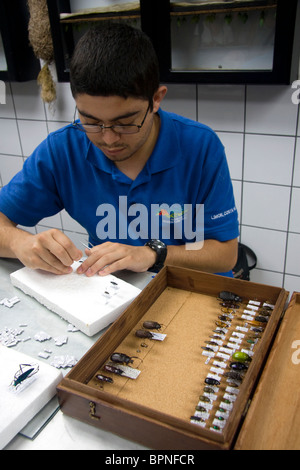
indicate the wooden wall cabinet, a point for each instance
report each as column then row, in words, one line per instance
column 17, row 60
column 197, row 41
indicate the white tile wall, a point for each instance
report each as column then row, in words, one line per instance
column 260, row 129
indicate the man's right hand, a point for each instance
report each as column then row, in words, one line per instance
column 51, row 251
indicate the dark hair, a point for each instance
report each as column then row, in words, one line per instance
column 114, row 59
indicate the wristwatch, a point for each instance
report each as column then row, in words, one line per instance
column 160, row 249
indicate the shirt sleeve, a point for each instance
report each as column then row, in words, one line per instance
column 220, row 213
column 32, row 194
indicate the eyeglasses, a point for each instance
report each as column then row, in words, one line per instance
column 118, row 128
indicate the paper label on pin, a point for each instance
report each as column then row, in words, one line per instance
column 129, row 372
column 158, row 336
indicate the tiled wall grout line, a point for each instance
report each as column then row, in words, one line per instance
column 291, row 195
column 243, row 161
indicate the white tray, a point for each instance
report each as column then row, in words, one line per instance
column 79, row 299
column 17, row 409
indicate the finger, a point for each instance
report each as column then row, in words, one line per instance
column 72, row 251
column 47, row 262
column 93, row 255
column 101, row 259
column 60, row 246
column 51, row 263
column 97, row 264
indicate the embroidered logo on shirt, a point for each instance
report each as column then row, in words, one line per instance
column 223, row 214
column 172, row 214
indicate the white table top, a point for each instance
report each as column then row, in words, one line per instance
column 61, row 432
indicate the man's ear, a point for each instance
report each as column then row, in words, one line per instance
column 158, row 97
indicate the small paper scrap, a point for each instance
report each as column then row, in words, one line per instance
column 62, row 362
column 9, row 302
column 60, row 340
column 42, row 336
column 8, row 336
column 72, row 328
column 44, row 355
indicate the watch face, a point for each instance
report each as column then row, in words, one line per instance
column 157, row 243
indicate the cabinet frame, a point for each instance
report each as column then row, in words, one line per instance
column 22, row 65
column 156, row 23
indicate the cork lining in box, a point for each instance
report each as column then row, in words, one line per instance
column 172, row 371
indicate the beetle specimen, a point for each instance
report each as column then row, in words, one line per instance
column 221, row 324
column 209, row 390
column 113, row 369
column 225, row 295
column 221, row 332
column 152, row 325
column 143, row 334
column 210, row 381
column 224, row 318
column 21, row 375
column 257, row 329
column 104, row 378
column 121, row 358
column 241, row 357
column 261, row 319
column 197, row 418
column 204, row 399
column 201, row 409
column 238, row 366
column 234, row 376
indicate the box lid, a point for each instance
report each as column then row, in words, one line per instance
column 273, row 419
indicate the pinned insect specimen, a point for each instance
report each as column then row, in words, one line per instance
column 121, row 358
column 225, row 295
column 104, row 378
column 22, row 376
column 144, row 334
column 152, row 325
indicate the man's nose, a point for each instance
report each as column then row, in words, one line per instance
column 109, row 136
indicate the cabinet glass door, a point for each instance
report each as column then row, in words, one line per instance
column 222, row 35
column 77, row 16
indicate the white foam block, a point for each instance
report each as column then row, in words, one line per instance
column 79, row 299
column 17, row 409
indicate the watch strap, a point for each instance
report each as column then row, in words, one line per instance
column 161, row 251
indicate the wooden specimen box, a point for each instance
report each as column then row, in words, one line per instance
column 155, row 408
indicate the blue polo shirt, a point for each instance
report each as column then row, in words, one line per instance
column 186, row 173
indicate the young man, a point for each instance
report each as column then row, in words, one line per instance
column 133, row 175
